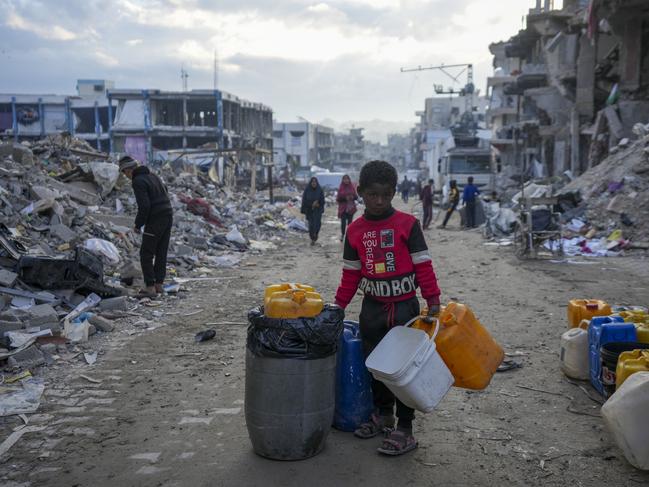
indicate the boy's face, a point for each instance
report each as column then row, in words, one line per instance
column 377, row 198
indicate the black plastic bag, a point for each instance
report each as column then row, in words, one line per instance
column 297, row 338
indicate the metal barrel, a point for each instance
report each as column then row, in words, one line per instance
column 289, row 405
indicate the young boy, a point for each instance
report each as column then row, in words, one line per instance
column 387, row 258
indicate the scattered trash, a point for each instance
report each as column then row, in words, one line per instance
column 104, row 248
column 298, row 225
column 204, row 336
column 235, row 236
column 507, row 365
column 91, row 357
column 21, row 399
column 76, row 332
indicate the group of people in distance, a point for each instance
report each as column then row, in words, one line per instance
column 313, row 203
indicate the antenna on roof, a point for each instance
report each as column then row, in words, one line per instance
column 183, row 76
column 216, row 69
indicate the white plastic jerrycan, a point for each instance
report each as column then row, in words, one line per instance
column 574, row 354
column 625, row 415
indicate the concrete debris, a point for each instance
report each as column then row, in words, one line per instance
column 7, row 278
column 68, row 256
column 28, row 358
column 627, row 207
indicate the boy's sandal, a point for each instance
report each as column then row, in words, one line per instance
column 374, row 427
column 143, row 293
column 398, row 443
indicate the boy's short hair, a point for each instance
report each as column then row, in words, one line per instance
column 378, row 172
column 470, row 179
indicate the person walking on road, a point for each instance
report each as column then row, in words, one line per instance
column 453, row 201
column 426, row 197
column 405, row 189
column 346, row 198
column 154, row 213
column 469, row 196
column 386, row 256
column 313, row 203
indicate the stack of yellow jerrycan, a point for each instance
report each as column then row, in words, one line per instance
column 467, row 348
column 640, row 318
column 292, row 301
column 585, row 309
column 629, row 363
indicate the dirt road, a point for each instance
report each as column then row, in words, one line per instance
column 169, row 412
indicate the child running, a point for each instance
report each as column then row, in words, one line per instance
column 386, row 257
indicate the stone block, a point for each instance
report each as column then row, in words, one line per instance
column 41, row 314
column 119, row 303
column 28, row 358
column 6, row 326
column 63, row 233
column 7, row 278
column 183, row 250
column 101, row 323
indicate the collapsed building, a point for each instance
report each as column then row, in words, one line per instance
column 568, row 87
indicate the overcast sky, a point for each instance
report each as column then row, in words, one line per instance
column 336, row 59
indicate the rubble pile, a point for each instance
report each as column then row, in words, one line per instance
column 69, row 257
column 615, row 194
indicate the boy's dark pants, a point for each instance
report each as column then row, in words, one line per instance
column 375, row 321
column 155, row 244
column 470, row 214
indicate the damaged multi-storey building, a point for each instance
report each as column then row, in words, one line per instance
column 148, row 123
column 25, row 117
column 300, row 145
column 145, row 124
column 569, row 87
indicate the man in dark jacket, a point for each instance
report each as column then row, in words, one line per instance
column 154, row 213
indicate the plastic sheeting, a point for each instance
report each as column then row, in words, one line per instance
column 103, row 248
column 299, row 338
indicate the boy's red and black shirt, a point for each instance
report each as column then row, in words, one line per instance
column 387, row 258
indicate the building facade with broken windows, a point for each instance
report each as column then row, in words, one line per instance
column 148, row 123
column 142, row 123
column 85, row 115
column 569, row 87
column 302, row 144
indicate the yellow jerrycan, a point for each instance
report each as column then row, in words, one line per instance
column 642, row 332
column 466, row 346
column 292, row 301
column 629, row 363
column 585, row 309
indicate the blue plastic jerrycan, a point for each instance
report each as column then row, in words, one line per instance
column 603, row 330
column 353, row 390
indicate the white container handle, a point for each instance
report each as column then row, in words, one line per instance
column 436, row 326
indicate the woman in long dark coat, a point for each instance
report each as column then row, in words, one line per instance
column 313, row 203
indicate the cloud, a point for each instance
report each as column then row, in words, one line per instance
column 55, row 32
column 319, row 58
column 106, row 59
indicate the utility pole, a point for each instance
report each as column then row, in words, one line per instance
column 467, row 91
